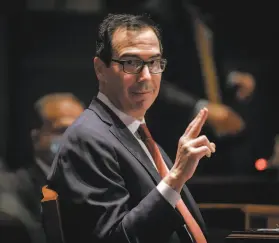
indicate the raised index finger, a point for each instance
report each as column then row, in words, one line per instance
column 194, row 129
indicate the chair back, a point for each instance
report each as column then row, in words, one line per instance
column 51, row 216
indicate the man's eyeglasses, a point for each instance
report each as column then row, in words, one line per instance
column 136, row 66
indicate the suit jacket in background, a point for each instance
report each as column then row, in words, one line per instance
column 107, row 185
column 19, row 208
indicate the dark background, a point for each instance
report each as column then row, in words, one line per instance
column 44, row 51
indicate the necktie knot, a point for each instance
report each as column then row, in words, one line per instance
column 144, row 132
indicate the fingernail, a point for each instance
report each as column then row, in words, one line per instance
column 213, row 147
column 208, row 155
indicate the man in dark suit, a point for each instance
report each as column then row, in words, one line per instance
column 115, row 184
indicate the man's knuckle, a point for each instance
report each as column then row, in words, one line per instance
column 203, row 137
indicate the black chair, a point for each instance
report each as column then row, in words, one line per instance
column 51, row 216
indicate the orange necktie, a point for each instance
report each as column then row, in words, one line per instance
column 191, row 223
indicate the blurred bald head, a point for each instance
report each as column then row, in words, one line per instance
column 54, row 113
column 58, row 109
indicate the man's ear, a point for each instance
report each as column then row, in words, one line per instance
column 99, row 67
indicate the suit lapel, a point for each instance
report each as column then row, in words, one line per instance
column 132, row 145
column 125, row 137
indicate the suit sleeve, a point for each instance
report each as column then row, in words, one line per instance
column 87, row 177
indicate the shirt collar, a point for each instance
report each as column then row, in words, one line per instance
column 131, row 123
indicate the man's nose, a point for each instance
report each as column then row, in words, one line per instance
column 144, row 74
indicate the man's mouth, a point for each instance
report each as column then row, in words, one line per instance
column 142, row 92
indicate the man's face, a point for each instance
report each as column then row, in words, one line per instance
column 131, row 93
column 58, row 115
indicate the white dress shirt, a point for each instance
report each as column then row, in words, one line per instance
column 133, row 124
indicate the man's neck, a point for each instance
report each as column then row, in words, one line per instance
column 105, row 99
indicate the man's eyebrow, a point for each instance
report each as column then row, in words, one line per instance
column 157, row 55
column 137, row 56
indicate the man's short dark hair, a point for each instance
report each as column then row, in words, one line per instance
column 115, row 21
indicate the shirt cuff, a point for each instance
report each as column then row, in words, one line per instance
column 168, row 193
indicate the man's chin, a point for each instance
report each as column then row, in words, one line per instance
column 142, row 95
column 143, row 104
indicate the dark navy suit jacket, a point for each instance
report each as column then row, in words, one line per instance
column 107, row 185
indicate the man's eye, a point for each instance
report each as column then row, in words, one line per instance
column 129, row 62
column 133, row 62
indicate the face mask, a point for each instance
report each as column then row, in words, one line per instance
column 48, row 155
column 54, row 145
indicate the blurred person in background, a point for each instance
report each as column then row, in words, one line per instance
column 53, row 114
column 20, row 190
column 185, row 89
column 16, row 222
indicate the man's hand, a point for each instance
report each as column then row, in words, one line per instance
column 191, row 148
column 224, row 120
column 244, row 81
